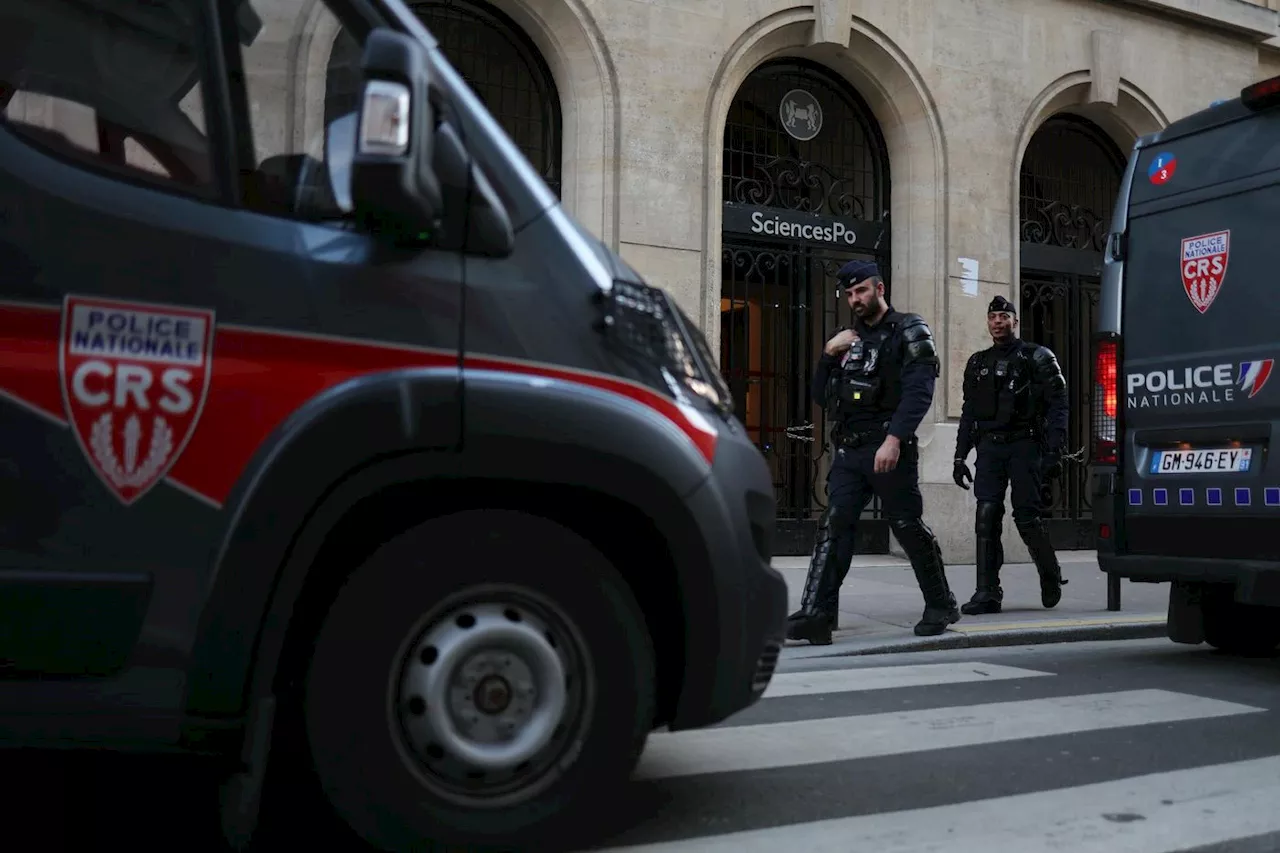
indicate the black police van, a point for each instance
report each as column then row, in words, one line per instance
column 1186, row 408
column 364, row 458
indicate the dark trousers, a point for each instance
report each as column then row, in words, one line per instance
column 851, row 483
column 1004, row 464
column 1015, row 465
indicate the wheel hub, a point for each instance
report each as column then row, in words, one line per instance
column 493, row 695
column 485, row 697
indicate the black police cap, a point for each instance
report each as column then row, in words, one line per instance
column 856, row 271
column 1002, row 304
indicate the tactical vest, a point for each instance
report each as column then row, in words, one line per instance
column 1000, row 387
column 866, row 380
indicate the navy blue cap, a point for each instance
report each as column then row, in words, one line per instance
column 855, row 271
column 1002, row 304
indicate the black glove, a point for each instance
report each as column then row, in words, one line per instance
column 960, row 473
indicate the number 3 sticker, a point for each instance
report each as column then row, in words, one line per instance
column 1162, row 168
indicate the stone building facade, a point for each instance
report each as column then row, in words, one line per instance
column 973, row 147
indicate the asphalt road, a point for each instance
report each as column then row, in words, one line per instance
column 1106, row 747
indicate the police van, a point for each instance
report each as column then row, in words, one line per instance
column 1186, row 408
column 331, row 444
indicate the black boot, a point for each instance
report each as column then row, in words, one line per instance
column 816, row 618
column 926, row 561
column 816, row 628
column 988, row 597
column 1036, row 535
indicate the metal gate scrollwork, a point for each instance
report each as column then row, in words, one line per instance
column 1068, row 226
column 779, row 302
column 793, row 184
column 1069, row 180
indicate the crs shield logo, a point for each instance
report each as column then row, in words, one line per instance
column 1204, row 266
column 134, row 380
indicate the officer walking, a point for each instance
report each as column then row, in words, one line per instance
column 876, row 380
column 1015, row 413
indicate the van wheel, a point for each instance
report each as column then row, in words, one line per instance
column 485, row 679
column 1242, row 629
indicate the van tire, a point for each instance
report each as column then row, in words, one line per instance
column 423, row 594
column 1239, row 629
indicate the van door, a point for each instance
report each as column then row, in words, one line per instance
column 372, row 368
column 374, row 307
column 1200, row 344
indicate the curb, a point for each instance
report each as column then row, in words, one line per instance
column 988, row 638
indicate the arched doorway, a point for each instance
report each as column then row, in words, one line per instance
column 1069, row 179
column 506, row 71
column 805, row 188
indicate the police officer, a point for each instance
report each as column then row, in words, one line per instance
column 876, row 381
column 1015, row 413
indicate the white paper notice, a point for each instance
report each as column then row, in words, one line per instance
column 968, row 276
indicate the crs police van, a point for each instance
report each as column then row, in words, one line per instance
column 1187, row 403
column 329, row 441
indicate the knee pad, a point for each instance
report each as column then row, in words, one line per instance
column 911, row 529
column 987, row 519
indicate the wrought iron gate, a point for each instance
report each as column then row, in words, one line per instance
column 779, row 301
column 1059, row 311
column 1069, row 180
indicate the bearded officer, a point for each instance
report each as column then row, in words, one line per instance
column 876, row 382
column 1015, row 414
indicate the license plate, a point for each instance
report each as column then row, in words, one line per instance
column 1233, row 460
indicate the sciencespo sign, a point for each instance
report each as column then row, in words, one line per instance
column 793, row 226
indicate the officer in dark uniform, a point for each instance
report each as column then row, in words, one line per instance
column 1015, row 413
column 876, row 381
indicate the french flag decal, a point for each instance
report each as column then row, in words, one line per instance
column 1254, row 375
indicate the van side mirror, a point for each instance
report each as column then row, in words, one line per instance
column 472, row 217
column 394, row 189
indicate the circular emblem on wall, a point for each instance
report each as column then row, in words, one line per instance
column 801, row 115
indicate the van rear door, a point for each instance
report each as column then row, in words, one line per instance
column 1201, row 339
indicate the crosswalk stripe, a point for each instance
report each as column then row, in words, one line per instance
column 890, row 678
column 792, row 744
column 1154, row 813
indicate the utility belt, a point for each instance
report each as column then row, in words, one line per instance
column 1008, row 436
column 850, row 439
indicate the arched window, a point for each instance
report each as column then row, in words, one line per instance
column 843, row 170
column 1068, row 182
column 506, row 71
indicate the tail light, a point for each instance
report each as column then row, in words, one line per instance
column 1262, row 94
column 1105, row 399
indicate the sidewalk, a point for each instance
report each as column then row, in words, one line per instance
column 880, row 603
